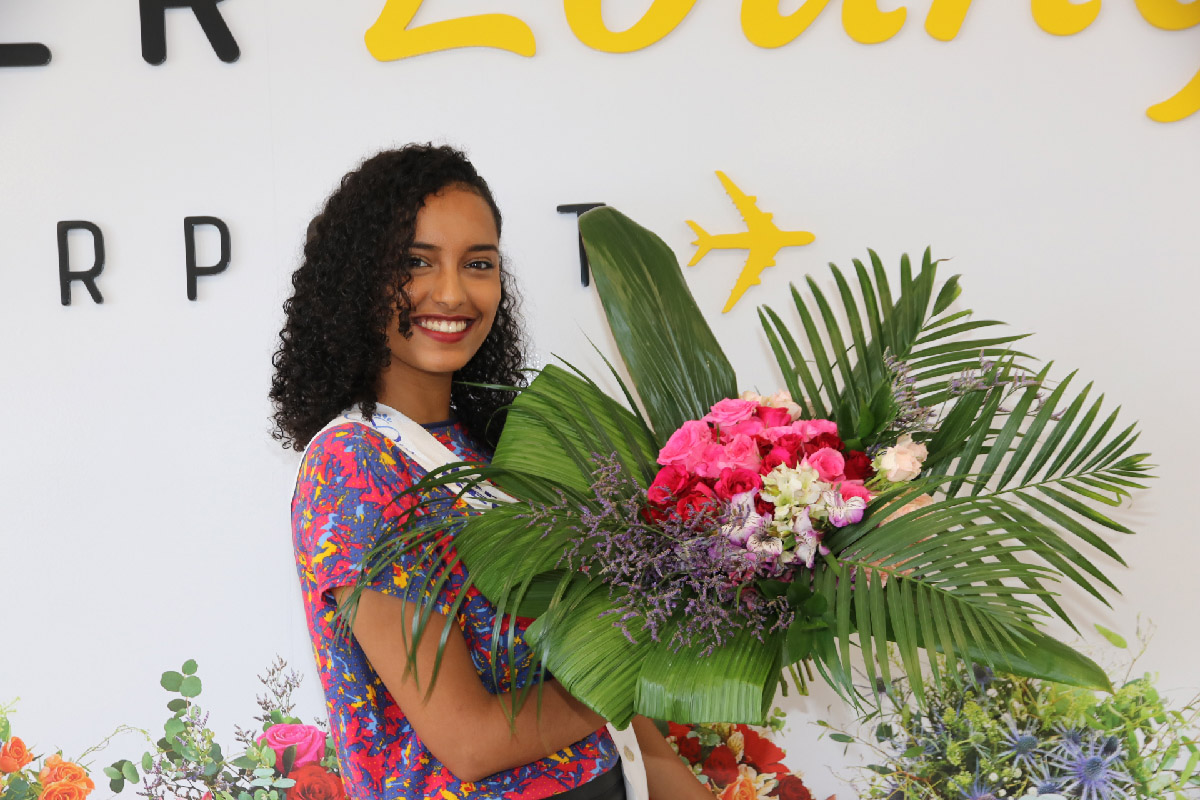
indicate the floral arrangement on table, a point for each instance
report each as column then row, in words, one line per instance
column 283, row 758
column 24, row 776
column 989, row 735
column 919, row 484
column 738, row 761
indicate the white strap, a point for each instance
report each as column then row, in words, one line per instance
column 429, row 454
column 633, row 766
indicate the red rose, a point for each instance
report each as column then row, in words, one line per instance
column 688, row 746
column 761, row 753
column 792, row 788
column 697, row 499
column 735, row 480
column 764, row 507
column 314, row 782
column 829, row 440
column 791, row 442
column 668, row 484
column 858, row 466
column 774, row 417
column 776, row 457
column 721, row 766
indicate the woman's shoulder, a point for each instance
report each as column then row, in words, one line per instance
column 352, row 446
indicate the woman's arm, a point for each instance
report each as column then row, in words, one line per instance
column 667, row 777
column 462, row 724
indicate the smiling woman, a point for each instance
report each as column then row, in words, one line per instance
column 401, row 308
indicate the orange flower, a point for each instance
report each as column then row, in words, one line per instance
column 741, row 789
column 65, row 790
column 14, row 755
column 56, row 771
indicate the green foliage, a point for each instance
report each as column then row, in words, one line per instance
column 1015, row 736
column 1022, row 475
column 187, row 761
column 675, row 361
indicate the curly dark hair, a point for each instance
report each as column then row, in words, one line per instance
column 333, row 346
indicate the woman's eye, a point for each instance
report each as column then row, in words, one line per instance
column 481, row 264
column 414, row 262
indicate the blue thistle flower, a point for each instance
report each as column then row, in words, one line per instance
column 979, row 790
column 1094, row 775
column 982, row 674
column 1022, row 745
column 1070, row 741
column 1045, row 781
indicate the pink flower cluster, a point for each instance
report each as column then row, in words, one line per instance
column 776, row 474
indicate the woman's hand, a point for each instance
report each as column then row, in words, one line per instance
column 462, row 724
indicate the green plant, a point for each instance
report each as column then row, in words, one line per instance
column 1019, row 472
column 188, row 762
column 985, row 734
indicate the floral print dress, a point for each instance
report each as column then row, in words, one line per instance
column 347, row 490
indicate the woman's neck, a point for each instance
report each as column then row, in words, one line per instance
column 423, row 397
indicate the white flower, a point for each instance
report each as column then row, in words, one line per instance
column 784, row 486
column 745, row 521
column 764, row 544
column 807, row 540
column 903, row 461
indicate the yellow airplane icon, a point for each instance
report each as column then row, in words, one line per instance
column 762, row 238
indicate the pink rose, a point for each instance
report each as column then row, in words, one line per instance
column 736, row 481
column 741, row 453
column 809, row 428
column 668, row 484
column 774, row 417
column 828, row 463
column 308, row 741
column 709, row 462
column 730, row 412
column 685, row 443
column 747, row 427
column 775, row 434
column 850, row 489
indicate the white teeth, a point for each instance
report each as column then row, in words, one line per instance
column 443, row 325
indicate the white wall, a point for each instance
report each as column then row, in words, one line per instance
column 144, row 502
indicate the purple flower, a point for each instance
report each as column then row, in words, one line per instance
column 843, row 511
column 676, row 570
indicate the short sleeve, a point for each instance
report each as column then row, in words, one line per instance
column 350, row 495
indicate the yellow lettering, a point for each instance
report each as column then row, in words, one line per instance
column 585, row 20
column 390, row 38
column 865, row 23
column 766, row 27
column 1170, row 15
column 1064, row 18
column 945, row 18
column 1184, row 103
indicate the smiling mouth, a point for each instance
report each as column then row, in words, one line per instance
column 443, row 325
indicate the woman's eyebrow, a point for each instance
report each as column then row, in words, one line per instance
column 475, row 248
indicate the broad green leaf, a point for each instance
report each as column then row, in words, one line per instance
column 677, row 366
column 735, row 683
column 591, row 656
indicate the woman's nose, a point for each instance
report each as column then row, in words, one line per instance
column 447, row 289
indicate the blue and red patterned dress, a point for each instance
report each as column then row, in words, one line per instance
column 346, row 491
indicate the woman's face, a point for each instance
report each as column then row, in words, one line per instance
column 455, row 286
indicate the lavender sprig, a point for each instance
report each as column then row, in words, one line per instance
column 676, row 570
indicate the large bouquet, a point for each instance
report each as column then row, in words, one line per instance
column 682, row 561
